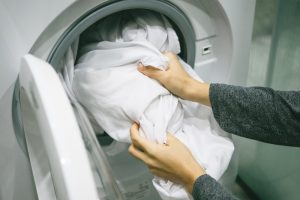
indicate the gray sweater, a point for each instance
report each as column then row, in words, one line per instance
column 257, row 113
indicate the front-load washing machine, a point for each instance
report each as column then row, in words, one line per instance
column 48, row 153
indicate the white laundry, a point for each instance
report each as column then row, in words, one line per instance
column 106, row 82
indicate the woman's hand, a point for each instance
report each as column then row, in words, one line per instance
column 178, row 81
column 172, row 161
column 175, row 78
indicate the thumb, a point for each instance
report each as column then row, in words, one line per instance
column 139, row 141
column 150, row 71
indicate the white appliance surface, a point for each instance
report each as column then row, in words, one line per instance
column 22, row 23
column 49, row 115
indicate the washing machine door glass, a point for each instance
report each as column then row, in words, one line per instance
column 59, row 155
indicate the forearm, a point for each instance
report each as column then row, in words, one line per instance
column 257, row 113
column 207, row 188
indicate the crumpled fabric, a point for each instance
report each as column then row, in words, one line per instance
column 105, row 80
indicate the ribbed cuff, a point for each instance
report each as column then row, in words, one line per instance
column 207, row 188
column 202, row 187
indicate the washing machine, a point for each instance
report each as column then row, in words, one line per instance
column 46, row 152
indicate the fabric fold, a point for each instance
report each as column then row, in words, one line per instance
column 105, row 80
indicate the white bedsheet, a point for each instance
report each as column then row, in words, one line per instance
column 106, row 82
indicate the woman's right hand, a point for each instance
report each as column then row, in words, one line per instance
column 175, row 78
column 172, row 161
column 178, row 81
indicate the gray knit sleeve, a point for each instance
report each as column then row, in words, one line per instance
column 258, row 113
column 207, row 188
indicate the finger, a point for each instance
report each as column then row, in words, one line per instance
column 141, row 67
column 150, row 71
column 137, row 153
column 138, row 141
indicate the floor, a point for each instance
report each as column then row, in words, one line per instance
column 241, row 191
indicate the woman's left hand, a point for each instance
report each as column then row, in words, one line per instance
column 172, row 161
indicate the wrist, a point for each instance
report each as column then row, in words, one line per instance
column 198, row 92
column 193, row 176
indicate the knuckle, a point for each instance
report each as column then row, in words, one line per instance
column 130, row 149
column 134, row 141
column 151, row 152
column 149, row 162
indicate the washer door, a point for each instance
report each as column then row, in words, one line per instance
column 59, row 158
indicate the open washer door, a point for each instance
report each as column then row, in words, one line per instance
column 58, row 155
